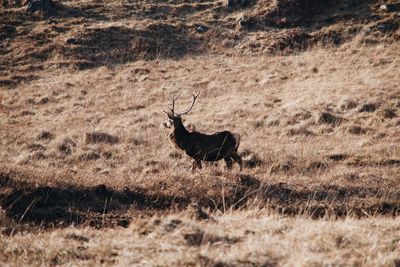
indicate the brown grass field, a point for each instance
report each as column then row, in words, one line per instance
column 89, row 177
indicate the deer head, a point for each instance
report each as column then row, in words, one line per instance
column 174, row 118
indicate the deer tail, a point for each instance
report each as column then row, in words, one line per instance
column 237, row 140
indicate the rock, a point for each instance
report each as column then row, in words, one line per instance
column 201, row 29
column 384, row 8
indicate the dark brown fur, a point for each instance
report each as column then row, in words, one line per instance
column 213, row 147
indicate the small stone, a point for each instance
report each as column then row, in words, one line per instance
column 201, row 29
column 384, row 8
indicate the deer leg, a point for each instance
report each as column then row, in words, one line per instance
column 196, row 163
column 228, row 161
column 237, row 158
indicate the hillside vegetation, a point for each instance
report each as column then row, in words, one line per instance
column 88, row 176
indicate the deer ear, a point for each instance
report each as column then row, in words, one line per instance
column 166, row 125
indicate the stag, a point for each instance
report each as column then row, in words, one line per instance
column 198, row 146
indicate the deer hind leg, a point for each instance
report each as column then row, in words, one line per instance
column 237, row 158
column 196, row 164
column 228, row 161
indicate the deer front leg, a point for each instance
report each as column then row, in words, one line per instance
column 196, row 163
column 237, row 158
column 228, row 161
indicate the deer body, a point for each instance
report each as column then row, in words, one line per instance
column 213, row 147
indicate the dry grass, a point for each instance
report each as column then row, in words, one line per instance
column 331, row 172
column 245, row 238
column 88, row 176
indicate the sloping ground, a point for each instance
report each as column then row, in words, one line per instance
column 88, row 177
column 99, row 206
column 319, row 138
column 245, row 238
column 89, row 34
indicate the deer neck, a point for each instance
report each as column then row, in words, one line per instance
column 180, row 135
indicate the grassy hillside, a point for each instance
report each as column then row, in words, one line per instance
column 88, row 174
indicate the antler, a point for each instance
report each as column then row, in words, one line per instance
column 193, row 101
column 173, row 104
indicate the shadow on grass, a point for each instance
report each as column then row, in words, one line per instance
column 99, row 206
column 96, row 206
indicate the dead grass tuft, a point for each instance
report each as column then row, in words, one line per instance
column 89, row 156
column 370, row 107
column 328, row 118
column 100, row 137
column 357, row 130
column 45, row 135
column 66, row 146
column 313, row 94
column 388, row 113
